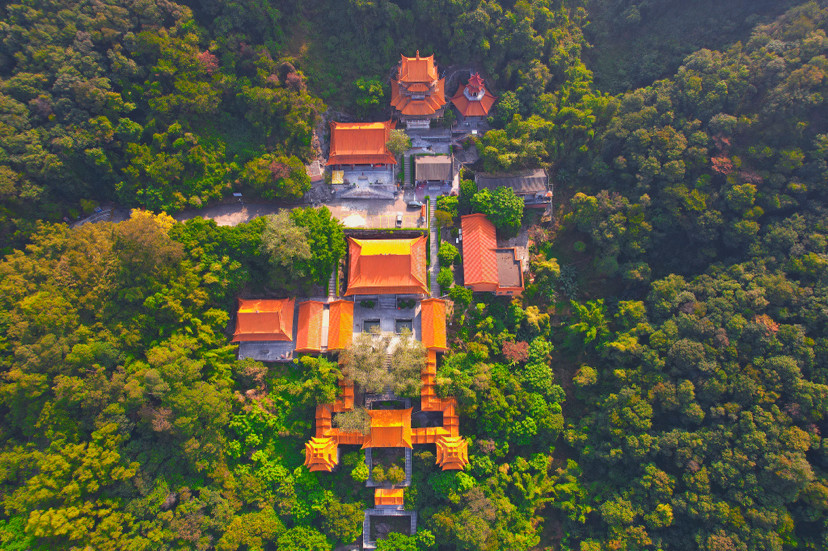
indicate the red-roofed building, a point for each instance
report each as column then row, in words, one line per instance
column 418, row 93
column 387, row 266
column 473, row 99
column 479, row 260
column 264, row 320
column 309, row 326
column 390, row 428
column 388, row 497
column 486, row 267
column 433, row 324
column 340, row 325
column 360, row 143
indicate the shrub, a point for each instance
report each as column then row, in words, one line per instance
column 360, row 472
column 461, row 296
column 448, row 254
column 378, row 474
column 395, row 475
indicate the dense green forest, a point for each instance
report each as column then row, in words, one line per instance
column 662, row 384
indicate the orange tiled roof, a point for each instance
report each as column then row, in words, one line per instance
column 264, row 320
column 479, row 259
column 452, row 453
column 433, row 324
column 473, row 108
column 407, row 105
column 417, row 69
column 387, row 266
column 475, row 83
column 321, row 454
column 323, row 420
column 340, row 324
column 346, row 401
column 388, row 497
column 309, row 330
column 360, row 143
column 390, row 428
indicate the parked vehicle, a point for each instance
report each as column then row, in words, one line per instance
column 399, row 220
column 415, row 204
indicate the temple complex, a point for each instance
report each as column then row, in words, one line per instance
column 391, row 275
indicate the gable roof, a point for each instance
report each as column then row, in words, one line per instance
column 309, row 326
column 479, row 258
column 390, row 428
column 359, row 143
column 433, row 324
column 340, row 324
column 388, row 497
column 387, row 266
column 524, row 182
column 264, row 320
column 433, row 167
column 417, row 69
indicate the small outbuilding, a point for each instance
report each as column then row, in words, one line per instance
column 433, row 168
column 530, row 185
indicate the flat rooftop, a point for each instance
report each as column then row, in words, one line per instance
column 508, row 268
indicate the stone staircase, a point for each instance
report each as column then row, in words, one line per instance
column 407, row 168
column 387, row 301
column 408, row 467
column 332, row 284
column 434, row 269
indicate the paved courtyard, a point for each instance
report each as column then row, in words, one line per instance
column 354, row 213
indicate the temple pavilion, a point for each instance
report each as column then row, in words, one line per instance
column 473, row 99
column 417, row 92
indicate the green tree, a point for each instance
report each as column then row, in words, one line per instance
column 448, row 254
column 326, row 240
column 355, row 420
column 342, row 522
column 369, row 94
column 408, row 359
column 445, row 279
column 364, row 362
column 286, row 246
column 398, row 142
column 502, row 207
column 302, row 538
